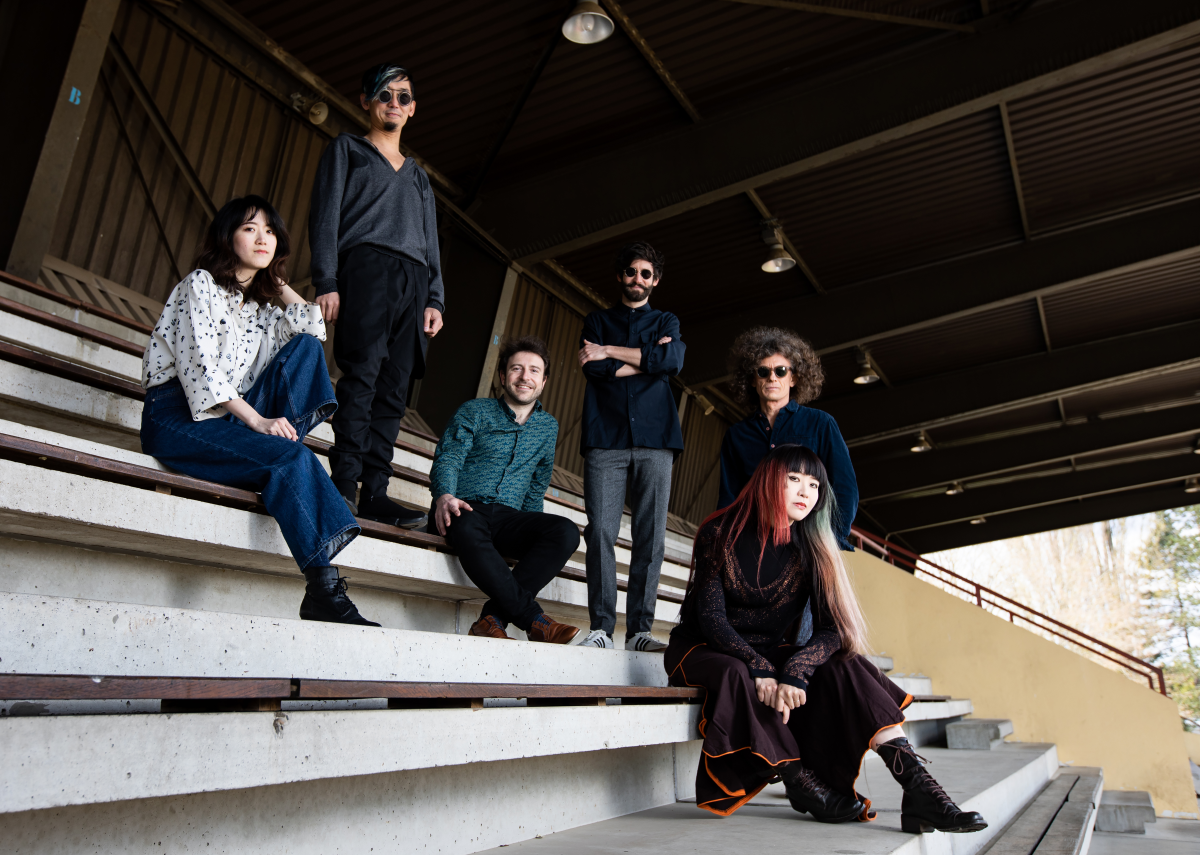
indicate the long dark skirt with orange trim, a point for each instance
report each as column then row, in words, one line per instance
column 848, row 701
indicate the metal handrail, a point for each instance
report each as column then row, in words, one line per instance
column 985, row 596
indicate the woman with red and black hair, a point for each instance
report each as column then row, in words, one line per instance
column 806, row 714
column 233, row 385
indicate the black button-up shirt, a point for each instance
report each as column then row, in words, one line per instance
column 638, row 411
column 750, row 440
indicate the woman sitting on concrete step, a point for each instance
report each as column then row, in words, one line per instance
column 233, row 385
column 806, row 714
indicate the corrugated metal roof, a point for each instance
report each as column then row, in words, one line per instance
column 1110, row 142
column 941, row 193
column 1004, row 333
column 714, row 257
column 1146, row 392
column 471, row 59
column 1147, row 298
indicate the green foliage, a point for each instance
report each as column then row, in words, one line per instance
column 1172, row 602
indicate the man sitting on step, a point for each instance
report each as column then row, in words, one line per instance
column 489, row 478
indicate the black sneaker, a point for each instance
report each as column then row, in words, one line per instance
column 384, row 510
column 331, row 605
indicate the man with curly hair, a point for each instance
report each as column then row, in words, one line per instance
column 776, row 372
column 630, row 437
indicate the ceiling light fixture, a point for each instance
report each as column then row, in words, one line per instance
column 779, row 259
column 587, row 24
column 979, row 521
column 955, row 488
column 1196, row 446
column 866, row 372
column 1191, row 485
column 921, row 443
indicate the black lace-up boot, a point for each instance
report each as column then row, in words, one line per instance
column 325, row 599
column 808, row 793
column 925, row 806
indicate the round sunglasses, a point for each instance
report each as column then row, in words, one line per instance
column 633, row 273
column 779, row 371
column 403, row 97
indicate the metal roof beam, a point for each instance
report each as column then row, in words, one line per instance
column 884, row 478
column 639, row 41
column 798, row 130
column 1098, row 509
column 858, row 315
column 878, row 414
column 989, row 502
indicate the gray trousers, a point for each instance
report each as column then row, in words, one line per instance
column 607, row 471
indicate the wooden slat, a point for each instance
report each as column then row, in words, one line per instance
column 66, row 300
column 335, row 689
column 90, row 465
column 70, row 371
column 1026, row 831
column 109, row 383
column 84, row 687
column 41, row 687
column 64, row 325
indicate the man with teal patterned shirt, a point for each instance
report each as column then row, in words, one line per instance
column 489, row 478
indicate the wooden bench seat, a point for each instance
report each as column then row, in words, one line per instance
column 109, row 383
column 50, row 456
column 217, row 694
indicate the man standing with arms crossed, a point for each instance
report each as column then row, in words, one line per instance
column 630, row 436
column 377, row 273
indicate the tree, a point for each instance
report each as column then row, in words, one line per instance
column 1172, row 602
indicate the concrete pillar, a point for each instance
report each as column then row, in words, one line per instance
column 50, row 65
column 488, row 377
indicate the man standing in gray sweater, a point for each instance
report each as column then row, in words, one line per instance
column 377, row 273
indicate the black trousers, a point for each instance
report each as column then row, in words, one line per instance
column 377, row 345
column 541, row 543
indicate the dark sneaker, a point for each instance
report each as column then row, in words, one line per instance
column 384, row 510
column 331, row 605
column 645, row 642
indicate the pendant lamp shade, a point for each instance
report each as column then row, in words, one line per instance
column 587, row 24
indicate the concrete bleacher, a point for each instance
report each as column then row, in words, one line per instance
column 113, row 568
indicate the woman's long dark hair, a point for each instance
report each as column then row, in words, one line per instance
column 219, row 259
column 763, row 499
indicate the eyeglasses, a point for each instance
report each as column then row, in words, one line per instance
column 780, row 371
column 633, row 273
column 403, row 97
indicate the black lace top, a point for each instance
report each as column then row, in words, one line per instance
column 743, row 610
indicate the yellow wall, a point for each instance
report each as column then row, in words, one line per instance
column 1097, row 717
column 1192, row 741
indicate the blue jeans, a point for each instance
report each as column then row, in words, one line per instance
column 296, row 490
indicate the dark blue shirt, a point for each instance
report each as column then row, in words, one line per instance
column 638, row 411
column 748, row 441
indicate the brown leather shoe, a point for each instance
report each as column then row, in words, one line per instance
column 551, row 631
column 488, row 627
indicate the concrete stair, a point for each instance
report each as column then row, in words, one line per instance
column 998, row 784
column 107, row 579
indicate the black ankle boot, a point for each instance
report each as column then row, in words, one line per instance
column 808, row 793
column 384, row 510
column 325, row 599
column 925, row 806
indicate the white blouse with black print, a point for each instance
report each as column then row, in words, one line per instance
column 217, row 344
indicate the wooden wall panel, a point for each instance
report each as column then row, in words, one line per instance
column 238, row 138
column 696, row 478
